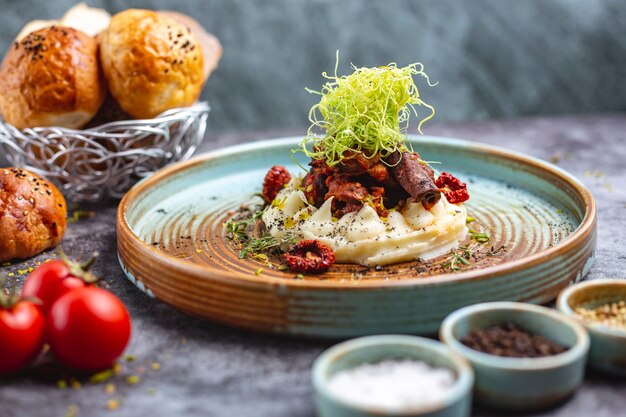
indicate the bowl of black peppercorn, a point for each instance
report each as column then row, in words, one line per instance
column 525, row 357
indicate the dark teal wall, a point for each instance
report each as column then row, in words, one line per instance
column 493, row 59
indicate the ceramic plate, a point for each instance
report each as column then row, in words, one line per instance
column 172, row 244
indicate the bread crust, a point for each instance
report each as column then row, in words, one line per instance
column 32, row 214
column 51, row 78
column 152, row 63
column 211, row 46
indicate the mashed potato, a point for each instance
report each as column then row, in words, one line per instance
column 365, row 238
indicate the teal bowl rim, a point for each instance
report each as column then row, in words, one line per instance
column 563, row 306
column 463, row 384
column 571, row 355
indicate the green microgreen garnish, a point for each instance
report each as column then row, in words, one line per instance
column 367, row 111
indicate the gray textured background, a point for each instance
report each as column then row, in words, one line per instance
column 209, row 370
column 493, row 59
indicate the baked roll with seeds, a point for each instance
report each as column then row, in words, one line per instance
column 51, row 78
column 151, row 62
column 32, row 214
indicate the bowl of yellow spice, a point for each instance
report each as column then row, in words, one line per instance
column 600, row 305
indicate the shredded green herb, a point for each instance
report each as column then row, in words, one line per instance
column 367, row 111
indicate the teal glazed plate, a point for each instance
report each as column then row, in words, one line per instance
column 172, row 244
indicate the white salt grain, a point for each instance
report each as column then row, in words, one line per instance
column 393, row 385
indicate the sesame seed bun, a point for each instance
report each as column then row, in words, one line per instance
column 152, row 62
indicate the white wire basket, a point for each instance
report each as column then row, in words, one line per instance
column 89, row 165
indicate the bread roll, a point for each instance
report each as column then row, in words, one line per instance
column 51, row 78
column 32, row 214
column 89, row 20
column 152, row 63
column 211, row 47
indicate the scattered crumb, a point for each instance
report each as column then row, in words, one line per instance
column 113, row 404
column 258, row 271
column 130, row 358
column 555, row 159
column 594, row 174
column 72, row 410
column 81, row 214
column 299, row 276
column 608, row 187
column 116, row 369
column 132, row 379
column 61, row 384
column 110, row 389
column 151, row 392
column 155, row 366
column 102, row 376
column 76, row 385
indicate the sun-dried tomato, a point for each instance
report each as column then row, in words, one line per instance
column 275, row 180
column 311, row 256
column 452, row 188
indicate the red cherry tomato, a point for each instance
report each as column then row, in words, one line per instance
column 21, row 335
column 49, row 282
column 88, row 328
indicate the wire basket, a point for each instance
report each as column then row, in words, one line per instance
column 107, row 160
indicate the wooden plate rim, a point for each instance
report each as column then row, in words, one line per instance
column 580, row 235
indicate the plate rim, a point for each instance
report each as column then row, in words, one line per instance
column 586, row 226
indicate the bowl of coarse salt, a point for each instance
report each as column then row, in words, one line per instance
column 392, row 375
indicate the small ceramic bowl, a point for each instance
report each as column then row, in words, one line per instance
column 608, row 344
column 521, row 383
column 374, row 349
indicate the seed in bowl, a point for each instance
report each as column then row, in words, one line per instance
column 510, row 340
column 609, row 314
column 393, row 386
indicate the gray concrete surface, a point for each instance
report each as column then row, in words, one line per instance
column 210, row 370
column 492, row 58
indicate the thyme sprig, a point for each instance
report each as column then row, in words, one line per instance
column 236, row 229
column 493, row 251
column 265, row 243
column 463, row 254
column 459, row 257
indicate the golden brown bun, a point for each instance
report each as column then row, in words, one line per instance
column 32, row 214
column 51, row 78
column 151, row 62
column 211, row 47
